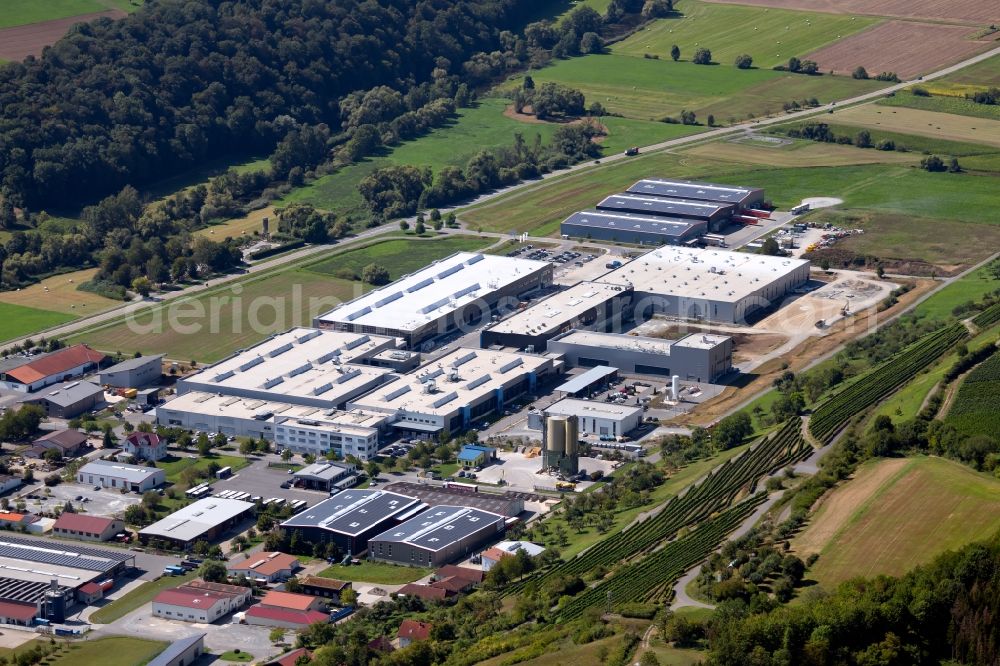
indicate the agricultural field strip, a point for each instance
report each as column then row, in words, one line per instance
column 880, row 381
column 651, row 578
column 987, row 317
column 717, row 491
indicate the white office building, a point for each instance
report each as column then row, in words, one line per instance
column 109, row 474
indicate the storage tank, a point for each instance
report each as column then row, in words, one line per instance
column 675, row 388
column 572, row 436
column 555, row 434
column 55, row 604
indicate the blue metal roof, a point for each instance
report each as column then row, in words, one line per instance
column 470, row 455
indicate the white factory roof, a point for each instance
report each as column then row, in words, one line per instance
column 198, row 402
column 193, row 520
column 558, row 309
column 592, row 408
column 457, row 379
column 430, row 293
column 304, row 362
column 639, row 343
column 532, row 549
column 131, row 473
column 703, row 273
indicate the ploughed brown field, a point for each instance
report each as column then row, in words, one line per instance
column 978, row 12
column 907, row 48
column 23, row 40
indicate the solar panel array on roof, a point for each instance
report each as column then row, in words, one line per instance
column 24, row 591
column 91, row 559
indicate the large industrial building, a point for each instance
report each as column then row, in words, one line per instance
column 603, row 419
column 510, row 504
column 108, row 474
column 437, row 536
column 134, row 372
column 599, row 305
column 744, row 198
column 696, row 357
column 28, row 567
column 205, row 520
column 638, row 229
column 457, row 390
column 709, row 284
column 33, row 374
column 713, row 214
column 300, row 428
column 446, row 295
column 351, row 517
column 303, row 366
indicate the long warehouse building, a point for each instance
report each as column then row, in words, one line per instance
column 715, row 215
column 743, row 197
column 445, row 296
column 599, row 305
column 638, row 229
column 698, row 357
column 303, row 366
column 713, row 285
column 437, row 536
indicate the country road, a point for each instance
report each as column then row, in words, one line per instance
column 518, row 188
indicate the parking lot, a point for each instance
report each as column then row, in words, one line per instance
column 220, row 637
column 104, row 502
column 259, row 479
column 521, row 473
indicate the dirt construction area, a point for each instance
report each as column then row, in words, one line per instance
column 19, row 42
column 904, row 47
column 967, row 11
column 800, row 315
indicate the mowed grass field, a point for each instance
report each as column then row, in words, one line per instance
column 214, row 324
column 18, row 320
column 943, row 104
column 60, row 294
column 896, row 514
column 770, row 36
column 971, row 287
column 111, row 651
column 400, row 256
column 375, row 572
column 240, row 226
column 933, row 124
column 798, row 153
column 24, row 12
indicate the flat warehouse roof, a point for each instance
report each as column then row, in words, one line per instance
column 691, row 189
column 633, row 223
column 662, row 206
column 58, row 554
column 503, row 504
column 584, row 380
column 441, row 526
column 459, row 378
column 592, row 408
column 559, row 308
column 353, row 512
column 211, row 404
column 703, row 273
column 131, row 473
column 195, row 519
column 303, row 363
column 639, row 343
column 444, row 286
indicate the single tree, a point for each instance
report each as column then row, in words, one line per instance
column 675, row 52
column 744, row 61
column 702, row 56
